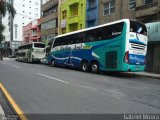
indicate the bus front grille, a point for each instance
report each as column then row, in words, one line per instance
column 138, row 46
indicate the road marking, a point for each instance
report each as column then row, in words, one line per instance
column 53, row 78
column 87, row 87
column 17, row 67
column 13, row 103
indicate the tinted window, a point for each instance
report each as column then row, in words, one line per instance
column 72, row 39
column 38, row 45
column 138, row 28
column 109, row 32
column 80, row 37
column 90, row 36
column 103, row 33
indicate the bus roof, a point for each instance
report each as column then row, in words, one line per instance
column 99, row 26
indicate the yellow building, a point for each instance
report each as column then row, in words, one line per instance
column 72, row 15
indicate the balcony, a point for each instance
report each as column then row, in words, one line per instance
column 70, row 2
column 73, row 19
column 49, row 17
column 49, row 4
column 146, row 10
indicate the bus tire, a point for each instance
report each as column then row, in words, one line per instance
column 84, row 66
column 95, row 67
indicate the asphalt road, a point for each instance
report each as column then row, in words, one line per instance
column 41, row 89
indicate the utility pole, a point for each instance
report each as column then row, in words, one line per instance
column 11, row 27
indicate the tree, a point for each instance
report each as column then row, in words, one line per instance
column 4, row 8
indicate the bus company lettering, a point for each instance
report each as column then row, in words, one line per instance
column 116, row 33
column 136, row 58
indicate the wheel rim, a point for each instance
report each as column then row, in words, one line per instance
column 84, row 66
column 95, row 68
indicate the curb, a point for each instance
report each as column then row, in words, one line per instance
column 145, row 75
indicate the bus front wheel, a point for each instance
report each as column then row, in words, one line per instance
column 84, row 66
column 95, row 67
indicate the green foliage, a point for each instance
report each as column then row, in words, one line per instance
column 4, row 8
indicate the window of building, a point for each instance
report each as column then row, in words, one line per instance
column 64, row 14
column 109, row 8
column 132, row 4
column 49, row 24
column 36, row 3
column 63, row 30
column 73, row 27
column 148, row 1
column 74, row 10
column 36, row 15
column 91, row 3
column 50, row 11
column 36, row 9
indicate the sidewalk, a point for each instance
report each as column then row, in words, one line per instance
column 145, row 74
column 2, row 115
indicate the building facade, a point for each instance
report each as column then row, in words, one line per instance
column 92, row 8
column 31, row 32
column 112, row 10
column 49, row 20
column 73, row 15
column 148, row 11
column 153, row 57
column 26, row 11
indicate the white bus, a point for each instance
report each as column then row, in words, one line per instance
column 32, row 52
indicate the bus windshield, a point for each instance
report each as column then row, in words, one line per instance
column 39, row 45
column 137, row 27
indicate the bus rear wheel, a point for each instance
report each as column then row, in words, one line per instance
column 84, row 66
column 95, row 67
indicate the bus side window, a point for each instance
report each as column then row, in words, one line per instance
column 80, row 37
column 73, row 39
column 90, row 36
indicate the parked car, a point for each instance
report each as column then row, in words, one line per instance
column 12, row 56
column 44, row 61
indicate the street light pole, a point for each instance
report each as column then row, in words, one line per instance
column 11, row 27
